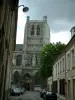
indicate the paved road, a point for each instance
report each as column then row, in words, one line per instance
column 28, row 96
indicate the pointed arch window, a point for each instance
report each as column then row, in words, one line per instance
column 38, row 30
column 32, row 27
column 16, row 77
column 32, row 30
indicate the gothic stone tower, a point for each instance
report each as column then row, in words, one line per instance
column 36, row 35
column 26, row 58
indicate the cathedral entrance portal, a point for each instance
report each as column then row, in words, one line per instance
column 27, row 81
column 16, row 77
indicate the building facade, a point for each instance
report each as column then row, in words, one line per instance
column 63, row 80
column 8, row 20
column 36, row 35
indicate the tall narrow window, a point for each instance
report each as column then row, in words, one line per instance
column 73, row 58
column 38, row 30
column 37, row 62
column 32, row 30
column 63, row 65
column 58, row 69
column 18, row 60
column 32, row 27
column 68, row 61
column 62, row 86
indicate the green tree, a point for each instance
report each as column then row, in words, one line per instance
column 48, row 55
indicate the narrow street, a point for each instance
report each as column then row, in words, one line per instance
column 29, row 95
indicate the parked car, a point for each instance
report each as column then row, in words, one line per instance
column 15, row 91
column 22, row 90
column 38, row 89
column 50, row 96
column 42, row 93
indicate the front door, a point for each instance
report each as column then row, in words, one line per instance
column 27, row 86
column 73, row 89
column 69, row 90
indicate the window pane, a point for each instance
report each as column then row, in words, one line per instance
column 73, row 62
column 32, row 32
column 18, row 60
column 38, row 30
column 32, row 27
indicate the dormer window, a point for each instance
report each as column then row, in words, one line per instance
column 74, row 29
column 38, row 30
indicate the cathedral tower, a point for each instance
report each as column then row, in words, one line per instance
column 36, row 35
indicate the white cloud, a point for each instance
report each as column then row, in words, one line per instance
column 63, row 37
column 20, row 26
column 20, row 36
column 21, row 18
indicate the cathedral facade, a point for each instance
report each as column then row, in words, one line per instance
column 26, row 58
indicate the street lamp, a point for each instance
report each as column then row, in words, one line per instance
column 25, row 9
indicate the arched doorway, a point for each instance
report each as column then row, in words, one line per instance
column 42, row 82
column 37, row 77
column 27, row 81
column 16, row 77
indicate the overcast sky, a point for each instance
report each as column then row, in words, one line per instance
column 60, row 13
